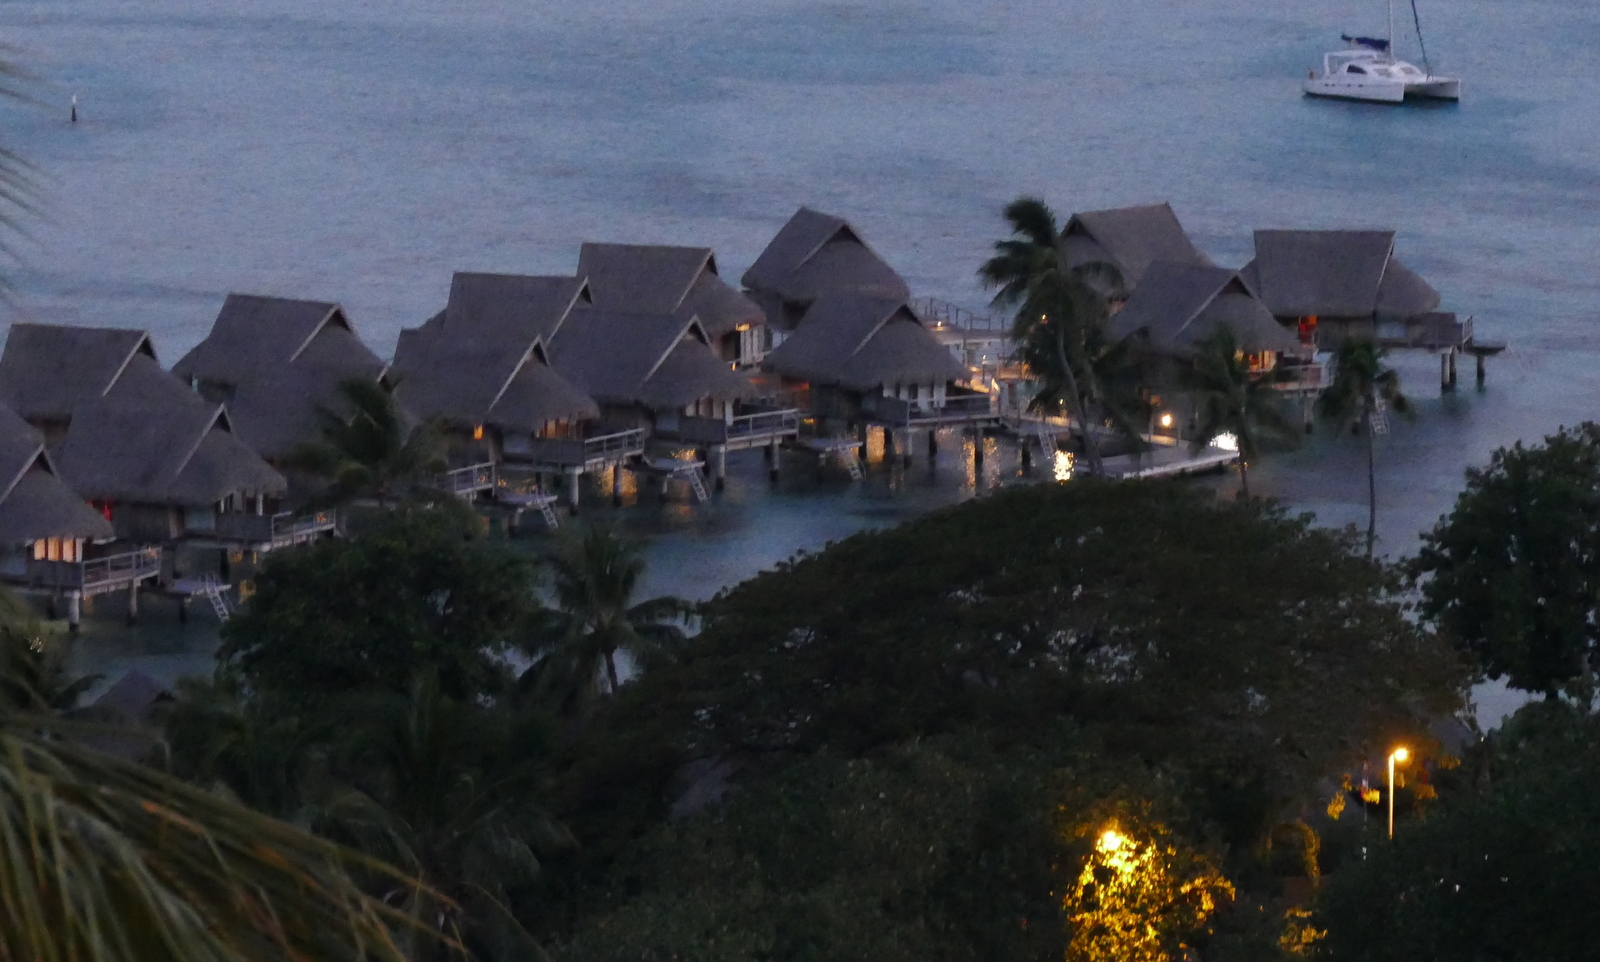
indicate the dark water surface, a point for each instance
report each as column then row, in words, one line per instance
column 360, row 151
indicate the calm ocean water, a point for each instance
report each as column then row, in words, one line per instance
column 360, row 151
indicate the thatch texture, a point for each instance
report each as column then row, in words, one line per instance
column 1335, row 273
column 255, row 335
column 622, row 358
column 816, row 254
column 46, row 369
column 861, row 342
column 152, row 440
column 1131, row 239
column 34, row 503
column 483, row 360
column 1179, row 305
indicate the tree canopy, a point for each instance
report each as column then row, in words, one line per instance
column 1512, row 573
column 421, row 591
column 1502, row 866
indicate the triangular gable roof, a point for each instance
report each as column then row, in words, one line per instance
column 817, row 253
column 1131, row 238
column 1334, row 273
column 46, row 369
column 1178, row 305
column 642, row 278
column 611, row 355
column 254, row 333
column 153, row 440
column 34, row 503
column 861, row 342
column 511, row 309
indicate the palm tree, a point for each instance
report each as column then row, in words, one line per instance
column 371, row 450
column 575, row 647
column 1060, row 324
column 110, row 861
column 448, row 791
column 1229, row 399
column 33, row 664
column 1362, row 386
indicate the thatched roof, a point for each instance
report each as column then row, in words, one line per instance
column 512, row 310
column 1131, row 239
column 152, row 440
column 482, row 360
column 34, row 503
column 1179, row 305
column 816, row 254
column 46, row 369
column 472, row 384
column 660, row 361
column 642, row 278
column 659, row 279
column 862, row 342
column 1335, row 273
column 254, row 335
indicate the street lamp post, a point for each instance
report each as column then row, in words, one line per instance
column 1398, row 755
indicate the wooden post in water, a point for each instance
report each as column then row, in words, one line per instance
column 719, row 466
column 933, row 446
column 133, row 603
column 74, row 609
column 1480, row 369
column 773, row 461
column 1453, row 353
column 572, row 490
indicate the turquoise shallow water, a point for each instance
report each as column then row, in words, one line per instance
column 360, row 151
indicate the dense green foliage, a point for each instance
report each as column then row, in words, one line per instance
column 1512, row 574
column 576, row 644
column 370, row 449
column 1051, row 646
column 421, row 591
column 1502, row 867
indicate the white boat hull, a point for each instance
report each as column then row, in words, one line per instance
column 1378, row 90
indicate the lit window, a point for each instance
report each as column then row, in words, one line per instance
column 477, row 432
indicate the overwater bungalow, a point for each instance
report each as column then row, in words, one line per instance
column 274, row 361
column 1130, row 239
column 660, row 373
column 812, row 255
column 159, row 460
column 658, row 279
column 50, row 538
column 481, row 367
column 866, row 359
column 1327, row 285
column 1177, row 307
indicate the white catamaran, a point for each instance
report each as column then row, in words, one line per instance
column 1368, row 70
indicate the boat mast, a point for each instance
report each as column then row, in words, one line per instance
column 1391, row 30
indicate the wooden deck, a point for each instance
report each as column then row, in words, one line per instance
column 1168, row 462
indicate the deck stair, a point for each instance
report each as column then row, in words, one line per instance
column 1380, row 417
column 689, row 471
column 697, row 481
column 212, row 587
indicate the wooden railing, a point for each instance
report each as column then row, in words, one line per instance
column 467, row 480
column 940, row 313
column 955, row 409
column 760, row 425
column 280, row 529
column 97, row 574
column 577, row 452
